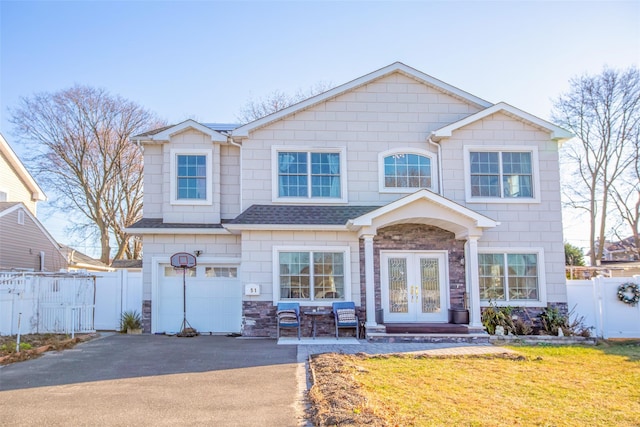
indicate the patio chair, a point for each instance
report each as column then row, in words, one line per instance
column 288, row 316
column 344, row 315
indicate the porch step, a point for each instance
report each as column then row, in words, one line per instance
column 426, row 328
column 467, row 338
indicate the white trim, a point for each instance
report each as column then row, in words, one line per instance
column 275, row 198
column 535, row 164
column 173, row 164
column 542, row 281
column 243, row 131
column 419, row 152
column 557, row 133
column 143, row 231
column 346, row 250
column 479, row 220
column 20, row 216
column 37, row 194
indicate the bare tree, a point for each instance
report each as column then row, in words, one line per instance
column 81, row 150
column 626, row 197
column 255, row 109
column 603, row 111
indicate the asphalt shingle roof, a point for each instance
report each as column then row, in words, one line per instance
column 301, row 215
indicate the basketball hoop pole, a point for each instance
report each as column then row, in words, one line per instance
column 184, row 332
column 184, row 260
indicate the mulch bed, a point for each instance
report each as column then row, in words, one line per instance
column 38, row 344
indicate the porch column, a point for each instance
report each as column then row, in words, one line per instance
column 473, row 285
column 369, row 281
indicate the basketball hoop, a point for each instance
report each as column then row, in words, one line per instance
column 184, row 260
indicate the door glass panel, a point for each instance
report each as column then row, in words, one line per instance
column 398, row 302
column 430, row 286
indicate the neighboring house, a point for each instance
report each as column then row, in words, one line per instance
column 78, row 261
column 396, row 191
column 16, row 183
column 25, row 244
column 622, row 250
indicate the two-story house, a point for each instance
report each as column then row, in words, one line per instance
column 396, row 191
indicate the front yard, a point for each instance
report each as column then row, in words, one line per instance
column 539, row 385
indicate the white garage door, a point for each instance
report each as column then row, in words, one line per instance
column 213, row 299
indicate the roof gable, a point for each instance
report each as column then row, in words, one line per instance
column 396, row 67
column 165, row 133
column 426, row 207
column 557, row 133
column 21, row 172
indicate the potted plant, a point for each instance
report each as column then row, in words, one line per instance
column 131, row 322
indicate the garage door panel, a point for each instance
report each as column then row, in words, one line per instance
column 214, row 304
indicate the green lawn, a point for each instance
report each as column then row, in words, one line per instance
column 541, row 386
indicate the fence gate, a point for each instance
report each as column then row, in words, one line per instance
column 46, row 303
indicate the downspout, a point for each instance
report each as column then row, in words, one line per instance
column 232, row 142
column 439, row 148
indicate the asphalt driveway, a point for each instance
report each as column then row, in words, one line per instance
column 157, row 380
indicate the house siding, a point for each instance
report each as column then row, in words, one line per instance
column 14, row 187
column 393, row 112
column 21, row 245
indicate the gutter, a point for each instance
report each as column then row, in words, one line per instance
column 439, row 148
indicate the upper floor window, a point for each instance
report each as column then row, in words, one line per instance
column 192, row 177
column 310, row 175
column 404, row 170
column 191, row 180
column 507, row 175
column 407, row 171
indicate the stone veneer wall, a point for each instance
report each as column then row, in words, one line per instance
column 417, row 237
column 531, row 315
column 260, row 321
column 146, row 316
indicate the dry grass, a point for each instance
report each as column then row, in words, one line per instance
column 33, row 345
column 540, row 386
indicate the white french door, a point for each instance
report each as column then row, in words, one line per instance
column 414, row 286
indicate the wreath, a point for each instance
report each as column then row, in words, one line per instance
column 629, row 293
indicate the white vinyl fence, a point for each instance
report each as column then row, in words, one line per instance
column 597, row 301
column 46, row 303
column 66, row 303
column 116, row 293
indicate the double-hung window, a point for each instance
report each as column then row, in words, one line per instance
column 505, row 175
column 312, row 275
column 509, row 276
column 310, row 175
column 191, row 180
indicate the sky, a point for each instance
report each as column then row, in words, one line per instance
column 205, row 59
